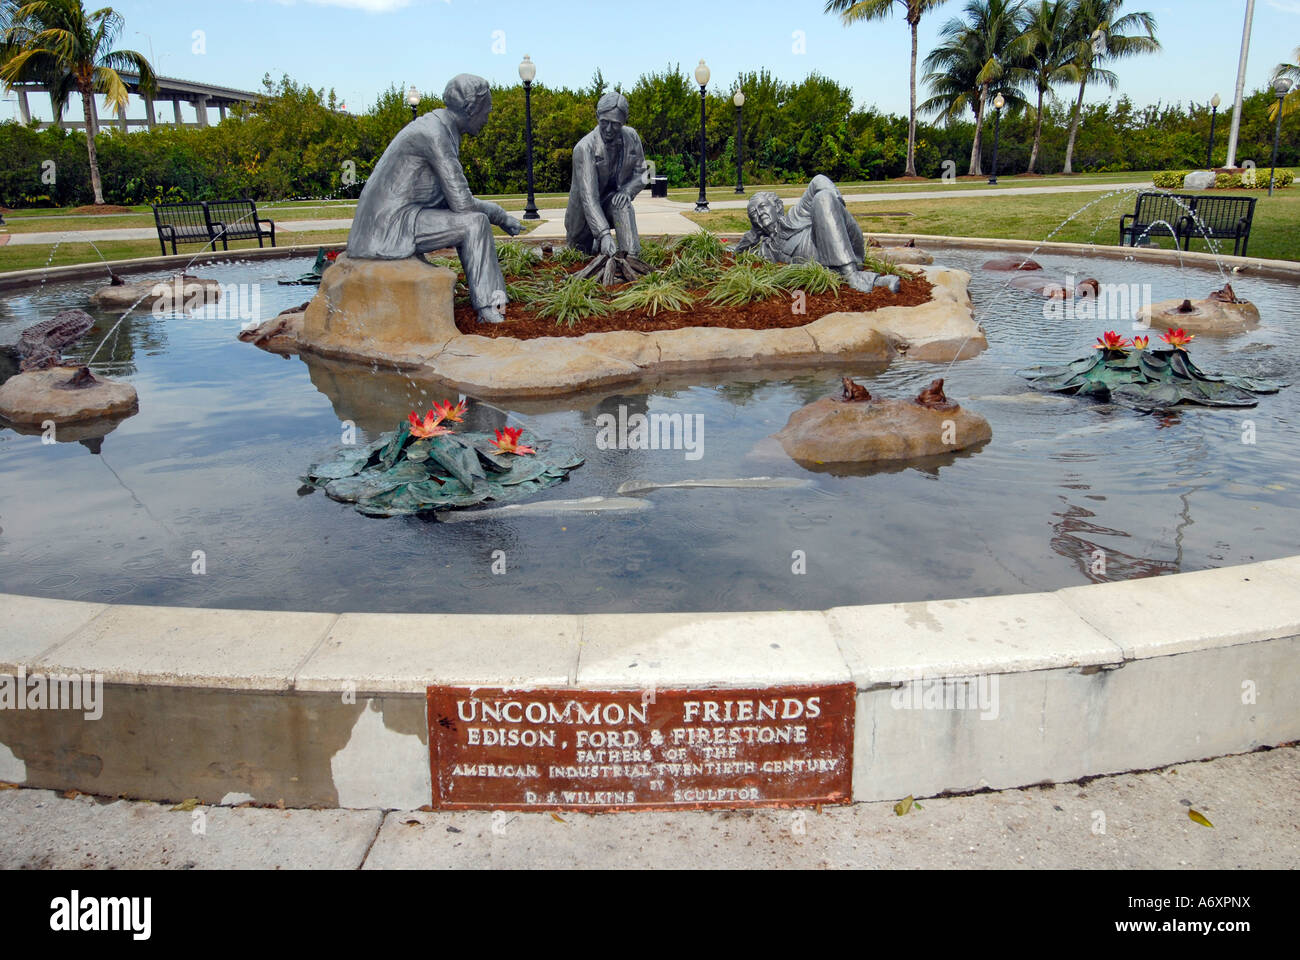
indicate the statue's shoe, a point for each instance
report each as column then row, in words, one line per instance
column 491, row 315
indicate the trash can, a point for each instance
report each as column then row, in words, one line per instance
column 659, row 188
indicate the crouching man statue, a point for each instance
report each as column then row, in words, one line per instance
column 609, row 170
column 417, row 199
column 819, row 227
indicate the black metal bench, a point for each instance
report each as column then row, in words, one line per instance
column 181, row 223
column 1220, row 218
column 238, row 220
column 1188, row 217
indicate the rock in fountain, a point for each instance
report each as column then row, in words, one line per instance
column 909, row 254
column 177, row 292
column 854, row 428
column 1012, row 264
column 47, row 390
column 1220, row 314
column 393, row 310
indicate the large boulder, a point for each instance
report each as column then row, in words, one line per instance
column 175, row 293
column 1199, row 180
column 833, row 431
column 39, row 395
column 912, row 256
column 388, row 310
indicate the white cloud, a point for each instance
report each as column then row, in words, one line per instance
column 1286, row 6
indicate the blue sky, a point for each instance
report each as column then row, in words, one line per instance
column 360, row 47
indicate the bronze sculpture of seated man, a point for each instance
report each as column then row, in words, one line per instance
column 417, row 200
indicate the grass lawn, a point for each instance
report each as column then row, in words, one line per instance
column 33, row 256
column 1273, row 235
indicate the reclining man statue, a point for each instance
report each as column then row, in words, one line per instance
column 819, row 227
column 609, row 170
column 417, row 199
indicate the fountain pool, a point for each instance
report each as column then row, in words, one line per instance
column 212, row 463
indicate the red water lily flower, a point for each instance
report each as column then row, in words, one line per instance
column 1178, row 339
column 332, row 255
column 446, row 411
column 507, row 441
column 1141, row 342
column 430, row 426
column 1113, row 341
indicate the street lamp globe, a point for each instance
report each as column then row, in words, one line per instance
column 702, row 74
column 1215, row 101
column 413, row 97
column 527, row 69
column 739, row 98
column 999, row 102
column 1282, row 86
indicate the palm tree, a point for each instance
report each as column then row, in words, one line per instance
column 1100, row 33
column 1044, row 52
column 56, row 42
column 970, row 62
column 854, row 11
column 1292, row 72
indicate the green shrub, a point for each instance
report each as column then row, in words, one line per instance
column 571, row 301
column 655, row 293
column 1173, row 180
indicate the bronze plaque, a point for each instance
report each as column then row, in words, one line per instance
column 570, row 749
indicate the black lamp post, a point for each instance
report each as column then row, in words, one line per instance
column 413, row 101
column 1214, row 116
column 527, row 71
column 739, row 100
column 702, row 78
column 1281, row 86
column 998, row 103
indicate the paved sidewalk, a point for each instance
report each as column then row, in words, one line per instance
column 1121, row 822
column 655, row 216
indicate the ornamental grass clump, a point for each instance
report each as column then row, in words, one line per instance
column 740, row 285
column 653, row 294
column 811, row 277
column 570, row 256
column 654, row 253
column 690, row 271
column 516, row 259
column 703, row 245
column 571, row 301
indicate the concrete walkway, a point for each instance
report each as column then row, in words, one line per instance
column 1132, row 821
column 654, row 216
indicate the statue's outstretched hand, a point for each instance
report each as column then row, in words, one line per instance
column 512, row 226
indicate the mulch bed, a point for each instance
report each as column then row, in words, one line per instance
column 101, row 208
column 771, row 314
